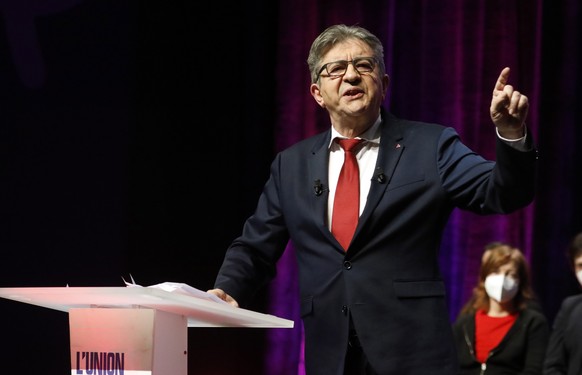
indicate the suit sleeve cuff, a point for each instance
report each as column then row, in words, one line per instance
column 518, row 144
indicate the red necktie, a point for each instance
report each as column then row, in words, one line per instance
column 346, row 204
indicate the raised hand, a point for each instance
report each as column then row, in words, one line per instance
column 509, row 108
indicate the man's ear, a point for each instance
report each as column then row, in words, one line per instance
column 316, row 93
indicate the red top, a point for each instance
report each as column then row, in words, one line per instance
column 489, row 331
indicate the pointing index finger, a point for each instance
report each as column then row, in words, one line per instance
column 502, row 80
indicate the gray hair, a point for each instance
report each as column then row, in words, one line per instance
column 339, row 33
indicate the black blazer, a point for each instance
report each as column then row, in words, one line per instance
column 564, row 355
column 389, row 279
column 520, row 352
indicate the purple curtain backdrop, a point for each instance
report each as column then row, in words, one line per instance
column 103, row 101
column 443, row 58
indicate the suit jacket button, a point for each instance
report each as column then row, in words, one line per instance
column 344, row 309
column 347, row 265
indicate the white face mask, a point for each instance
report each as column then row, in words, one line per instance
column 579, row 276
column 501, row 288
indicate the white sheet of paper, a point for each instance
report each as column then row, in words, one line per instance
column 181, row 288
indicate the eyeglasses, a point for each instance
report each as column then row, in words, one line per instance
column 338, row 68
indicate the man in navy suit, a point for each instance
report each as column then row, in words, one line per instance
column 376, row 307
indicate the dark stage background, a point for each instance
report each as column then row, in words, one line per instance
column 114, row 113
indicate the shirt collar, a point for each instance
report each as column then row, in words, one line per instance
column 371, row 135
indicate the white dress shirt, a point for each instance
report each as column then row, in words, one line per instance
column 366, row 156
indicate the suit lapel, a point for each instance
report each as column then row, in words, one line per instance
column 391, row 148
column 318, row 174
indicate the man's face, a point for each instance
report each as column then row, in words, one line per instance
column 352, row 93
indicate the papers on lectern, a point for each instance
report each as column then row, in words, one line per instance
column 180, row 288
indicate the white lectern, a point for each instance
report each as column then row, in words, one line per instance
column 135, row 331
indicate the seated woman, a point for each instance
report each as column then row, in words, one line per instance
column 500, row 330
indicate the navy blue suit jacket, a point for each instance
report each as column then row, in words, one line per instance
column 389, row 279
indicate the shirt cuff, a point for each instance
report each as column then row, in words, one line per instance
column 518, row 144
